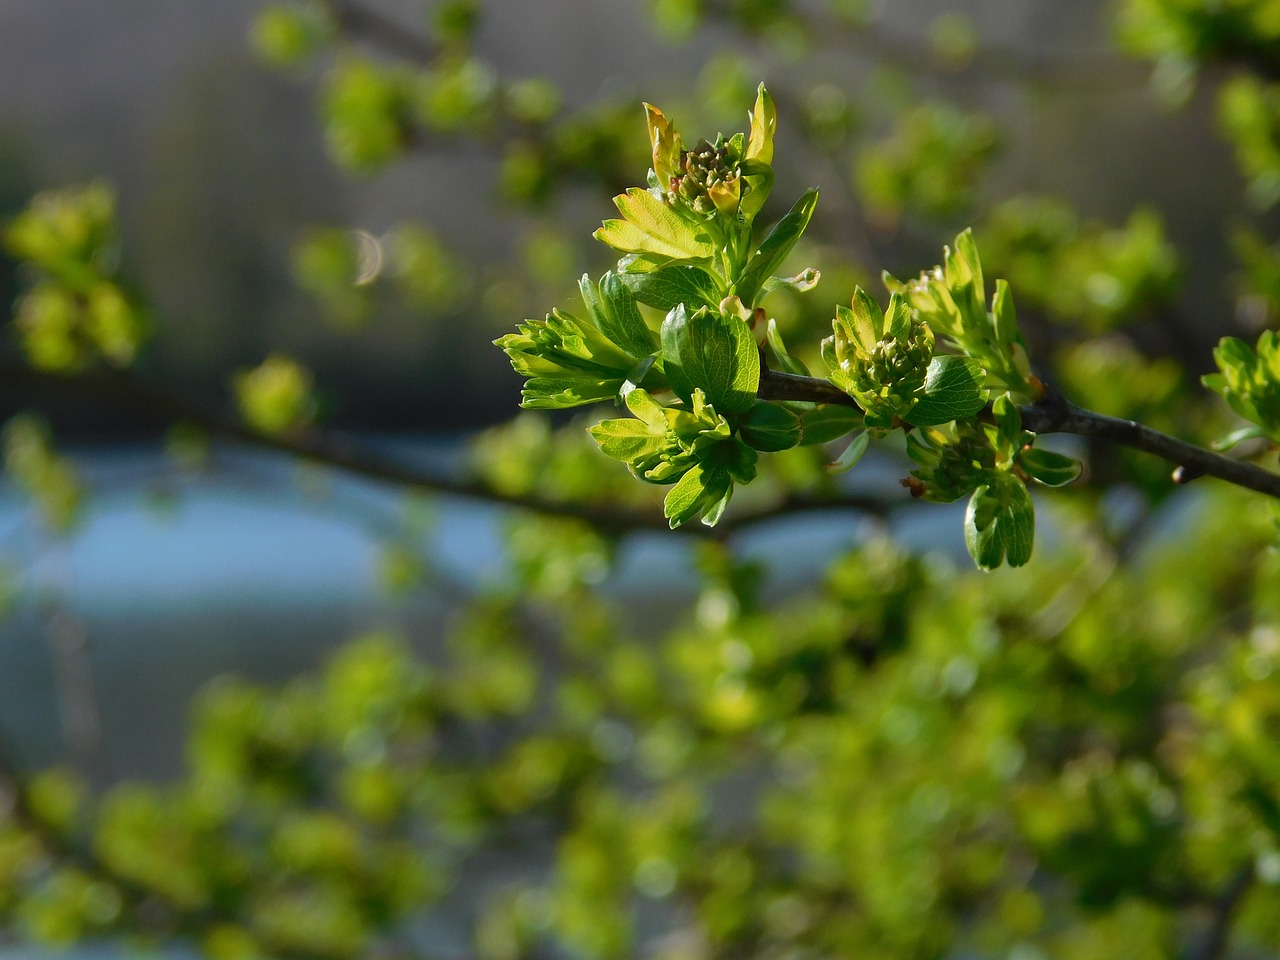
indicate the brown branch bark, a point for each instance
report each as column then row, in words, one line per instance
column 1055, row 414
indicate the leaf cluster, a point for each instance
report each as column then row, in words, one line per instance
column 76, row 310
column 700, row 388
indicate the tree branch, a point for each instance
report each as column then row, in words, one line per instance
column 776, row 385
column 357, row 20
column 1214, row 943
column 1054, row 414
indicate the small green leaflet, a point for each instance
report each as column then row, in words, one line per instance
column 774, row 248
column 1003, row 315
column 999, row 524
column 701, row 488
column 613, row 309
column 802, row 282
column 668, row 286
column 953, row 390
column 769, row 427
column 627, row 439
column 714, row 352
column 556, row 393
column 828, row 422
column 1049, row 468
column 779, row 350
column 650, row 226
column 852, row 453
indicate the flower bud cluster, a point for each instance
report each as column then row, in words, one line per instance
column 881, row 360
column 708, row 178
column 952, row 461
column 894, row 369
column 709, row 171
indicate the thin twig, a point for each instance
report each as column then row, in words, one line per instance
column 357, row 20
column 1079, row 72
column 1054, row 414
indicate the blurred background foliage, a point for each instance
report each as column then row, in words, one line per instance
column 816, row 735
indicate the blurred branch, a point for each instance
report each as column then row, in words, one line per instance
column 361, row 22
column 1214, row 944
column 1084, row 72
column 77, row 692
column 341, row 452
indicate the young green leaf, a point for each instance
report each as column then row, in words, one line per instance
column 852, row 453
column 774, row 248
column 1008, row 422
column 665, row 143
column 713, row 352
column 964, row 265
column 613, row 308
column 802, row 282
column 628, row 439
column 1252, row 432
column 1002, row 313
column 668, row 286
column 703, row 488
column 557, row 393
column 764, row 120
column 953, row 390
column 769, row 427
column 779, row 350
column 999, row 524
column 864, row 321
column 828, row 422
column 650, row 226
column 1049, row 468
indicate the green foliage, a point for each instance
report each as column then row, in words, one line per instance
column 275, row 396
column 572, row 361
column 1258, row 295
column 1249, row 381
column 913, row 742
column 365, row 110
column 929, row 164
column 1200, row 30
column 687, row 241
column 76, row 311
column 327, row 264
column 1250, row 114
column 788, row 741
column 290, row 34
column 1084, row 274
column 48, row 478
